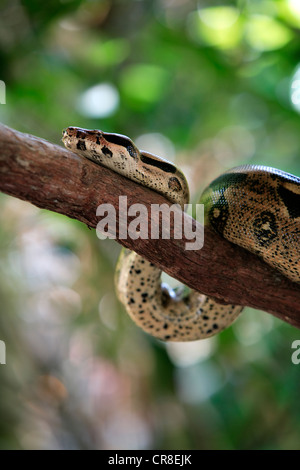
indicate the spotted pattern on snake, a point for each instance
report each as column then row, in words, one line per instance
column 255, row 207
column 267, row 201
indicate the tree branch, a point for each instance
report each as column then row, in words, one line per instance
column 53, row 178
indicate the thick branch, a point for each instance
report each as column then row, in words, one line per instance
column 54, row 178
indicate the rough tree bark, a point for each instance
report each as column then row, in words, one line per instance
column 53, row 178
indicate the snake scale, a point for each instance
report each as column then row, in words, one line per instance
column 255, row 207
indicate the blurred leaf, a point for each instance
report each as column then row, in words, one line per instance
column 144, row 83
column 107, row 53
column 289, row 11
column 217, row 26
column 265, row 34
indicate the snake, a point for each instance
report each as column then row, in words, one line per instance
column 255, row 207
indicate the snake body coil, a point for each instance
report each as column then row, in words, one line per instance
column 255, row 207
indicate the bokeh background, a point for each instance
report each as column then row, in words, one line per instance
column 208, row 85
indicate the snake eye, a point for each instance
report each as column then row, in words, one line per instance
column 68, row 131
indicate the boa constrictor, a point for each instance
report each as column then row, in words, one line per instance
column 255, row 207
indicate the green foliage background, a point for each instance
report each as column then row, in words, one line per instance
column 214, row 84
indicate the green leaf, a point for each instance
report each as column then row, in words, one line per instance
column 264, row 33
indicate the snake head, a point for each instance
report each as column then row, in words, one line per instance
column 86, row 141
column 75, row 137
column 119, row 153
